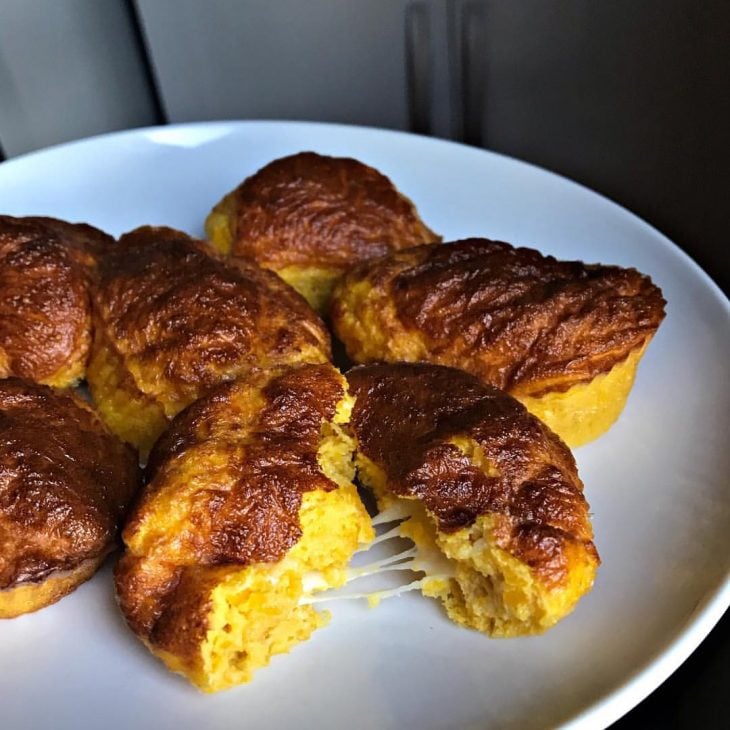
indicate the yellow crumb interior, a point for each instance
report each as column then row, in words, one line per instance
column 587, row 410
column 314, row 283
column 257, row 611
column 128, row 413
column 491, row 590
column 218, row 224
column 498, row 594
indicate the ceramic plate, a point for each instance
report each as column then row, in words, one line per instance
column 656, row 482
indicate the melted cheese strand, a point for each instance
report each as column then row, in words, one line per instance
column 389, row 535
column 401, row 561
column 371, row 596
column 433, row 564
column 395, row 513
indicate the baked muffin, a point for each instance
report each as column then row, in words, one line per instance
column 45, row 312
column 171, row 320
column 563, row 337
column 65, row 484
column 250, row 507
column 310, row 217
column 489, row 495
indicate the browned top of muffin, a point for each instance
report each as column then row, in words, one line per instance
column 520, row 320
column 466, row 449
column 65, row 482
column 45, row 315
column 225, row 486
column 183, row 320
column 313, row 210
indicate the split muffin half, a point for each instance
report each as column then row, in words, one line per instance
column 249, row 509
column 489, row 495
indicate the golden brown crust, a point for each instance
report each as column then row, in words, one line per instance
column 313, row 210
column 182, row 320
column 65, row 483
column 45, row 315
column 225, row 486
column 519, row 320
column 410, row 419
column 29, row 597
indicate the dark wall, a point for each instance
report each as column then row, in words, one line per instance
column 630, row 98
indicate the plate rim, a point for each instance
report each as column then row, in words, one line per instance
column 616, row 702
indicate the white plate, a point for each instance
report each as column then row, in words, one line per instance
column 657, row 482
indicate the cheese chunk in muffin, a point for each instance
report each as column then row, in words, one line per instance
column 489, row 495
column 250, row 507
column 310, row 217
column 563, row 337
column 172, row 320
